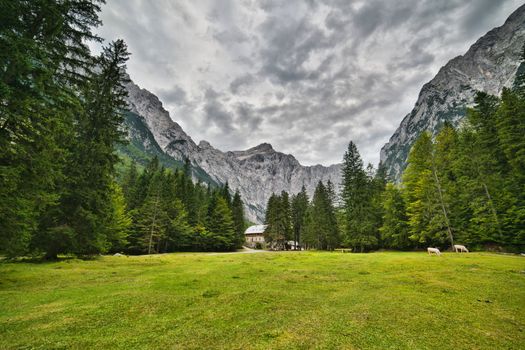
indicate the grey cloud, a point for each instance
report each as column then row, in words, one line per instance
column 240, row 72
column 238, row 82
column 175, row 95
column 216, row 114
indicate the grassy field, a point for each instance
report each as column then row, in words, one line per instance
column 289, row 300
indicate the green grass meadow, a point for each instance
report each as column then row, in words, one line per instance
column 287, row 300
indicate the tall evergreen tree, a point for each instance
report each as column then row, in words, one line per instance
column 90, row 167
column 321, row 226
column 276, row 231
column 394, row 229
column 220, row 226
column 43, row 63
column 299, row 206
column 152, row 220
column 238, row 218
column 285, row 216
column 359, row 233
column 427, row 207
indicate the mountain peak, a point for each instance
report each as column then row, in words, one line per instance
column 205, row 144
column 263, row 147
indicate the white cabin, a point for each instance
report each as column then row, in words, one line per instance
column 255, row 234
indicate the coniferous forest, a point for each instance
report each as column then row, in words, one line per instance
column 463, row 186
column 61, row 117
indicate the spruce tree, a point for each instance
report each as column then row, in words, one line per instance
column 427, row 207
column 151, row 219
column 355, row 195
column 220, row 227
column 86, row 200
column 179, row 233
column 119, row 221
column 238, row 218
column 43, row 65
column 275, row 233
column 394, row 229
column 285, row 216
column 299, row 206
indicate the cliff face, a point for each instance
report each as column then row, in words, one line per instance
column 489, row 65
column 256, row 173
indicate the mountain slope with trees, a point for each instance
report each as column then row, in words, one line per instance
column 489, row 65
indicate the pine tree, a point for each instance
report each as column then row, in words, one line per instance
column 510, row 123
column 299, row 206
column 285, row 216
column 426, row 204
column 119, row 221
column 42, row 65
column 90, row 168
column 152, row 220
column 220, row 226
column 179, row 234
column 359, row 233
column 480, row 169
column 394, row 229
column 225, row 193
column 238, row 218
column 275, row 233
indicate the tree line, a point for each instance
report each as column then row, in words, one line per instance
column 330, row 220
column 61, row 116
column 464, row 185
column 166, row 212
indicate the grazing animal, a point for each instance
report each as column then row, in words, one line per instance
column 433, row 251
column 460, row 248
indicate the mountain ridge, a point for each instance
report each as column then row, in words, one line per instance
column 256, row 172
column 488, row 65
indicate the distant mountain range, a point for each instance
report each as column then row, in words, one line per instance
column 489, row 65
column 256, row 173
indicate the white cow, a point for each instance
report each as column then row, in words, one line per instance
column 460, row 248
column 433, row 251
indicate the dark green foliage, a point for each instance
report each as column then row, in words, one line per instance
column 220, row 226
column 275, row 233
column 86, row 201
column 59, row 123
column 320, row 225
column 62, row 113
column 425, row 194
column 394, row 229
column 238, row 218
column 299, row 208
column 361, row 226
column 469, row 185
column 171, row 213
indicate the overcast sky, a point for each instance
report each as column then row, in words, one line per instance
column 306, row 76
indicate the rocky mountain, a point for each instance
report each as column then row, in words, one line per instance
column 489, row 65
column 256, row 173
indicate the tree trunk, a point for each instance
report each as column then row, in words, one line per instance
column 442, row 202
column 153, row 224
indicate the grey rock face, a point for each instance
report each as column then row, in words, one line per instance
column 256, row 173
column 489, row 65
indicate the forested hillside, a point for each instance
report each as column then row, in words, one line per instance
column 62, row 114
column 465, row 186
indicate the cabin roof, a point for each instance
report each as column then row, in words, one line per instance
column 255, row 229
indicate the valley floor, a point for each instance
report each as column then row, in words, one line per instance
column 278, row 300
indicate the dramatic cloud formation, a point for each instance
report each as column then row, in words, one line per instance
column 305, row 76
